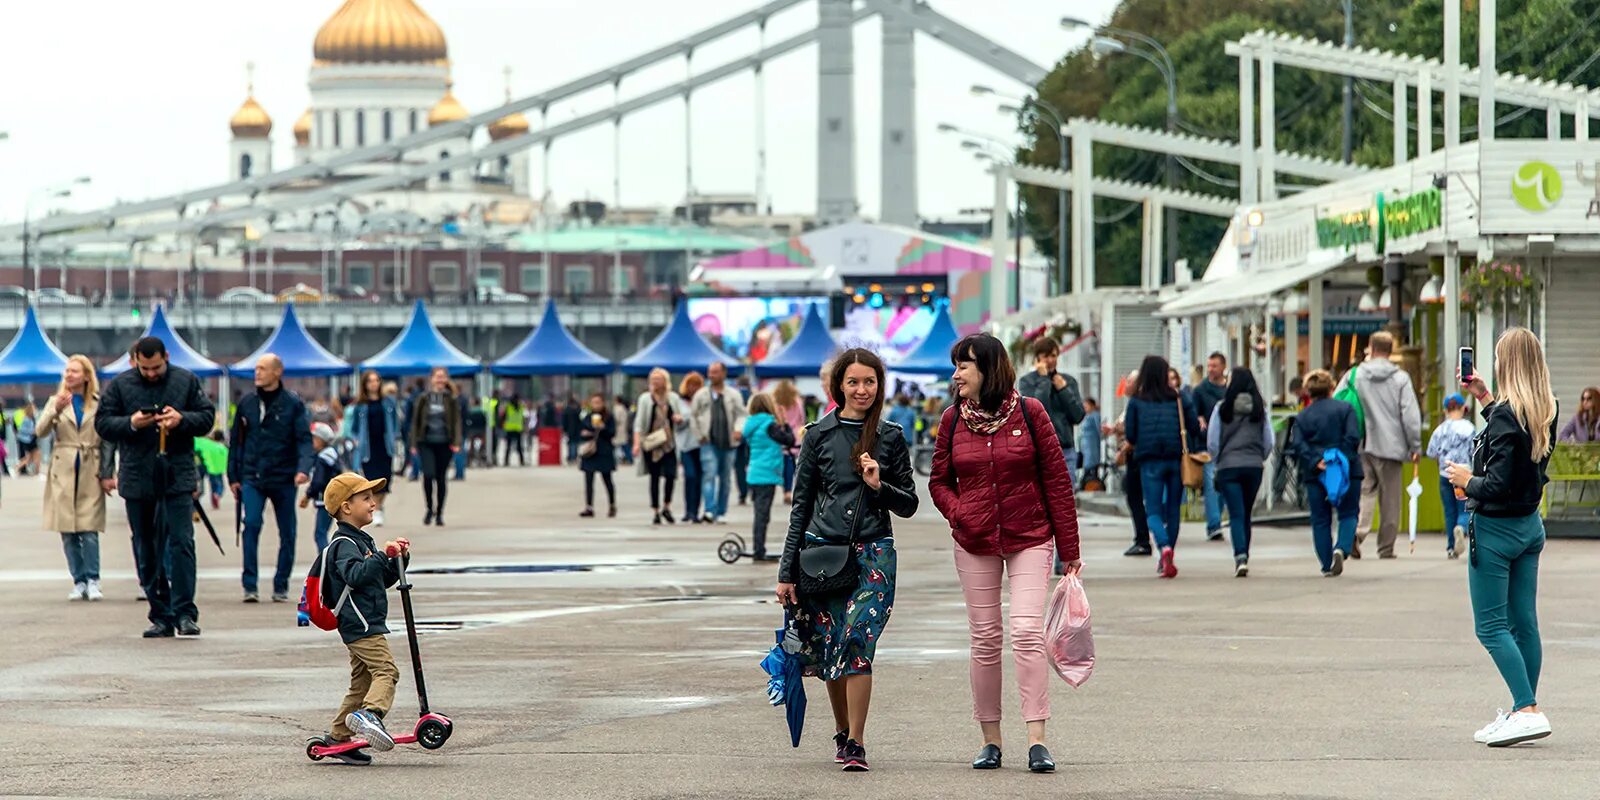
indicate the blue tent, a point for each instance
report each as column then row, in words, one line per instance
column 31, row 357
column 932, row 356
column 302, row 356
column 550, row 350
column 418, row 349
column 179, row 353
column 811, row 347
column 679, row 348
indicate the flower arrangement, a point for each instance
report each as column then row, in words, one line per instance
column 1061, row 329
column 1499, row 285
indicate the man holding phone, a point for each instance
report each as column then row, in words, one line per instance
column 136, row 408
column 1394, row 436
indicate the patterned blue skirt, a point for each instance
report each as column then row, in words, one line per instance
column 841, row 632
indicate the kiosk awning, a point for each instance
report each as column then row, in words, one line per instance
column 1249, row 289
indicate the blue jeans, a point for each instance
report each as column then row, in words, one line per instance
column 83, row 555
column 1162, row 481
column 1455, row 512
column 320, row 531
column 692, row 479
column 216, row 484
column 1322, row 520
column 788, row 472
column 1238, row 487
column 716, row 464
column 1213, row 499
column 255, row 503
column 461, row 464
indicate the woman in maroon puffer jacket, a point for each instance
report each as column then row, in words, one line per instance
column 1001, row 481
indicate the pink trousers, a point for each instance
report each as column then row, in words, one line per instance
column 1029, row 571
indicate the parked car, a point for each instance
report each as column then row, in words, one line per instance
column 300, row 293
column 495, row 294
column 244, row 294
column 13, row 296
column 58, row 297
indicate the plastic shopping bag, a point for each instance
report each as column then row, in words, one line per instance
column 1067, row 634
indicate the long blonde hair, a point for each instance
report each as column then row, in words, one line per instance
column 666, row 382
column 1522, row 378
column 91, row 381
column 784, row 395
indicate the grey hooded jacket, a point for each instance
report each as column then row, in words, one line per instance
column 1394, row 422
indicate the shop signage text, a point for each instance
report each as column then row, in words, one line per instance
column 1384, row 220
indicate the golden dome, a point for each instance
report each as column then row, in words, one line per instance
column 302, row 129
column 367, row 31
column 513, row 124
column 448, row 109
column 251, row 120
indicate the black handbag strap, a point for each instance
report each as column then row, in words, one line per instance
column 1033, row 436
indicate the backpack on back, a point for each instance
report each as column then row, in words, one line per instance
column 1350, row 395
column 313, row 605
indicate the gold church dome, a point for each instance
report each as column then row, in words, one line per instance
column 371, row 31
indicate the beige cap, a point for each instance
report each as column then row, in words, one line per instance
column 345, row 486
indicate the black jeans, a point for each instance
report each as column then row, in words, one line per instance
column 741, row 464
column 514, row 439
column 588, row 488
column 436, row 462
column 1134, row 489
column 171, row 594
column 761, row 501
column 662, row 469
column 1238, row 487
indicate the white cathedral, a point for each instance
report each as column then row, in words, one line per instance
column 381, row 71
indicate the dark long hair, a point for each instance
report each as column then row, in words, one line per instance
column 1243, row 381
column 869, row 427
column 1153, row 386
column 362, row 394
column 999, row 377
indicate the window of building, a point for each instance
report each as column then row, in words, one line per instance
column 444, row 175
column 492, row 275
column 336, row 129
column 388, row 125
column 413, row 128
column 533, row 280
column 244, row 165
column 388, row 277
column 359, row 274
column 361, row 128
column 621, row 279
column 579, row 280
column 444, row 275
column 505, row 168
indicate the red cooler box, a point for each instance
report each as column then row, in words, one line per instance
column 549, row 447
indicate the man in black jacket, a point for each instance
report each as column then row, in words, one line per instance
column 136, row 408
column 270, row 456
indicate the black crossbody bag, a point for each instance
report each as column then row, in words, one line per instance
column 830, row 569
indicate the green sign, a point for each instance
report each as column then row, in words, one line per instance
column 1384, row 220
column 1536, row 187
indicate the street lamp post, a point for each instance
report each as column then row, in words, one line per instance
column 1063, row 279
column 57, row 191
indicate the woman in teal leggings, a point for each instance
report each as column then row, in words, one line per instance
column 1503, row 487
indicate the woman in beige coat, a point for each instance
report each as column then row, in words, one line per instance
column 74, row 494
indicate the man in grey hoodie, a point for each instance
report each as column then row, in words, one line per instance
column 1394, row 435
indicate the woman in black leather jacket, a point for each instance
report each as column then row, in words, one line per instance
column 854, row 471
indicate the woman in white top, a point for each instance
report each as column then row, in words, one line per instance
column 660, row 418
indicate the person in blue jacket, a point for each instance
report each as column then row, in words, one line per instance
column 765, row 472
column 1156, row 431
column 1328, row 424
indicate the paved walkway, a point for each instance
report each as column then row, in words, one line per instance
column 627, row 668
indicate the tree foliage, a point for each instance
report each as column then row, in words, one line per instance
column 1554, row 39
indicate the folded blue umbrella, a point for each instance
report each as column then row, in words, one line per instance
column 785, row 685
column 1336, row 478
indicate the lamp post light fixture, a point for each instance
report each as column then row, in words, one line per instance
column 50, row 192
column 1015, row 107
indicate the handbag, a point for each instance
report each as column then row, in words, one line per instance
column 831, row 569
column 587, row 449
column 1193, row 465
column 658, row 438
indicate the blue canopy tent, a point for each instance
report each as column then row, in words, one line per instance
column 550, row 350
column 932, row 356
column 31, row 357
column 302, row 356
column 179, row 353
column 419, row 349
column 678, row 349
column 811, row 347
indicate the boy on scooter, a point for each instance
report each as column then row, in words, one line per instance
column 354, row 561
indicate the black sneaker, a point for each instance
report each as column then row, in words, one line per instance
column 187, row 627
column 427, row 519
column 1214, row 535
column 158, row 631
column 1137, row 550
column 438, row 520
column 840, row 739
column 855, row 757
column 666, row 515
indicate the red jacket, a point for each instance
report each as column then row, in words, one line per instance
column 988, row 487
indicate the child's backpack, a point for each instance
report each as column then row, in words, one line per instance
column 313, row 605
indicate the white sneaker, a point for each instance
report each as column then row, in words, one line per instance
column 1521, row 726
column 92, row 591
column 78, row 590
column 1483, row 734
column 377, row 518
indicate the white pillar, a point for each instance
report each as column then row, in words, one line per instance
column 1000, row 236
column 1401, row 150
column 1486, row 69
column 1248, row 193
column 1269, row 129
column 1452, row 72
column 1083, row 211
column 1424, row 113
column 1152, row 258
column 1552, row 123
column 1450, row 339
column 1108, row 363
column 1580, row 121
column 1314, row 356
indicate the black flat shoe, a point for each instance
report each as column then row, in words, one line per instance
column 1137, row 550
column 666, row 514
column 1039, row 759
column 988, row 757
column 158, row 631
column 427, row 519
column 186, row 627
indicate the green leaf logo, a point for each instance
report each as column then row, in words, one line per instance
column 1536, row 187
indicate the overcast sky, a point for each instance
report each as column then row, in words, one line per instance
column 138, row 95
